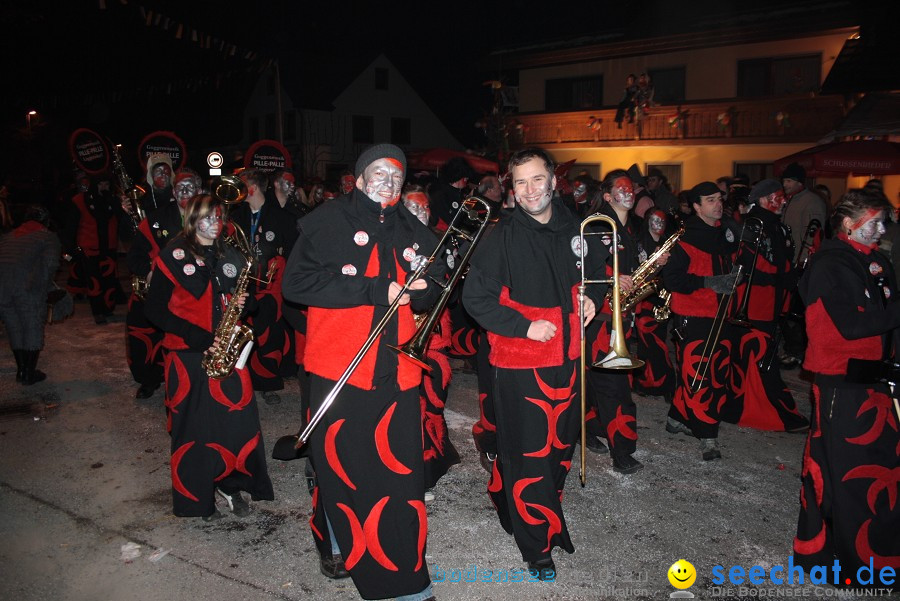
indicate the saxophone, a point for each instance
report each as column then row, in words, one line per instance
column 645, row 277
column 235, row 339
column 126, row 186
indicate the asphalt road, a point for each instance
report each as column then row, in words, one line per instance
column 84, row 470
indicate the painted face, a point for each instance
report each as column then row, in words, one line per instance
column 184, row 191
column 382, row 181
column 286, row 184
column 210, row 227
column 347, row 183
column 710, row 209
column 869, row 230
column 318, row 194
column 162, row 176
column 417, row 203
column 657, row 224
column 533, row 186
column 622, row 193
column 773, row 202
column 580, row 191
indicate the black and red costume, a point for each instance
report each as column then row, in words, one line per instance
column 214, row 424
column 440, row 454
column 143, row 345
column 848, row 505
column 704, row 250
column 90, row 237
column 271, row 233
column 367, row 451
column 521, row 272
column 760, row 398
column 657, row 376
column 613, row 414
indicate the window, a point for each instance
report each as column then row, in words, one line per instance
column 270, row 125
column 779, row 76
column 381, row 79
column 290, row 125
column 401, row 130
column 672, row 171
column 253, row 129
column 363, row 129
column 668, row 85
column 754, row 171
column 574, row 93
column 591, row 169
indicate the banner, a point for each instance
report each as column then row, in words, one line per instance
column 89, row 151
column 267, row 156
column 164, row 142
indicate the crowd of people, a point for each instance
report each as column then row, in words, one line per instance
column 727, row 284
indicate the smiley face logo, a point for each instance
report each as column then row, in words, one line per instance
column 682, row 574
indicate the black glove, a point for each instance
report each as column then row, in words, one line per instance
column 721, row 284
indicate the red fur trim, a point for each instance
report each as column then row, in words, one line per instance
column 523, row 353
column 828, row 351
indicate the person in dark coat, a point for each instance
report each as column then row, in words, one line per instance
column 29, row 257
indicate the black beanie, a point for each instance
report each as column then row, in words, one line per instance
column 704, row 189
column 795, row 172
column 379, row 151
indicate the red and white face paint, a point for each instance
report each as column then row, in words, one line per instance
column 162, row 176
column 184, row 191
column 773, row 202
column 347, row 183
column 382, row 181
column 657, row 223
column 580, row 192
column 869, row 228
column 286, row 184
column 417, row 203
column 209, row 227
column 622, row 193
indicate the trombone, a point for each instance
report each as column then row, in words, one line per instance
column 618, row 356
column 806, row 243
column 740, row 317
column 415, row 348
column 715, row 332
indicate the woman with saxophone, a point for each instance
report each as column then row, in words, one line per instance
column 217, row 445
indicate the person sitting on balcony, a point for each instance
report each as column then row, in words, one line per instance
column 626, row 105
column 643, row 98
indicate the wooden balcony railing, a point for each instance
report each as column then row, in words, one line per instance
column 795, row 119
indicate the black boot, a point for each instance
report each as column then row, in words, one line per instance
column 32, row 375
column 19, row 354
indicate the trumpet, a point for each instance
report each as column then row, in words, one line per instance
column 618, row 356
column 414, row 349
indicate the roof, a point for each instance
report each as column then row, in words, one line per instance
column 876, row 115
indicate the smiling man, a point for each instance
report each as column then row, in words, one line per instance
column 522, row 287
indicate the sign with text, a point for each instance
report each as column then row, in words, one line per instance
column 164, row 142
column 89, row 151
column 268, row 156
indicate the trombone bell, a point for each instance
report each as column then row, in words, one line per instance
column 230, row 189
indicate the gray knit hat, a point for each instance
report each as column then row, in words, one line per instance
column 764, row 188
column 379, row 151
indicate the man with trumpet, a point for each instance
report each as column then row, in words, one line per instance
column 760, row 399
column 348, row 266
column 699, row 275
column 523, row 289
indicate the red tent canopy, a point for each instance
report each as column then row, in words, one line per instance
column 431, row 160
column 863, row 157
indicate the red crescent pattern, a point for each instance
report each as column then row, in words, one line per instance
column 177, row 484
column 382, row 444
column 331, row 453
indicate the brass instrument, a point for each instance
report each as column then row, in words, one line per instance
column 126, row 186
column 414, row 349
column 740, row 317
column 712, row 339
column 231, row 190
column 235, row 339
column 618, row 356
column 812, row 227
column 139, row 287
column 664, row 310
column 645, row 277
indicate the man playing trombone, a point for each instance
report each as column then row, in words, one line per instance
column 699, row 276
column 348, row 266
column 523, row 289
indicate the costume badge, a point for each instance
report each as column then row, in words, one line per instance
column 415, row 246
column 270, row 235
column 349, row 269
column 729, row 235
column 361, row 238
column 165, row 232
column 178, row 253
column 156, row 224
column 229, row 270
column 575, row 243
column 201, row 263
column 418, row 261
column 867, row 293
column 451, row 261
column 642, row 255
column 455, row 205
column 409, row 254
column 887, row 292
column 875, row 268
column 189, row 269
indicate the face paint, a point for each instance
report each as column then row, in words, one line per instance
column 580, row 192
column 319, row 194
column 286, row 185
column 184, row 191
column 868, row 230
column 382, row 181
column 657, row 224
column 533, row 188
column 418, row 206
column 210, row 226
column 774, row 202
column 347, row 183
column 162, row 176
column 623, row 192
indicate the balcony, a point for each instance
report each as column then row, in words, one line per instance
column 764, row 121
